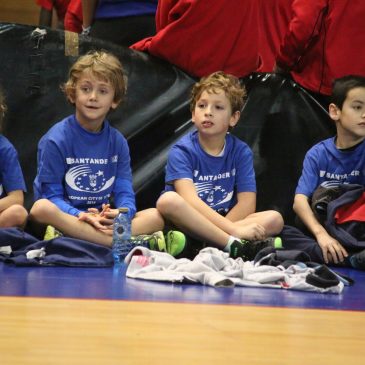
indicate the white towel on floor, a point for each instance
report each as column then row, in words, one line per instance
column 215, row 268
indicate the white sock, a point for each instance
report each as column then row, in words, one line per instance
column 231, row 239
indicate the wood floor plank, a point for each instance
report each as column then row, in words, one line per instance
column 61, row 331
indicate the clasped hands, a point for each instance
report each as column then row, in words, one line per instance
column 101, row 220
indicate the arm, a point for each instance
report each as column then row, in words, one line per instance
column 123, row 188
column 13, row 197
column 332, row 250
column 246, row 205
column 124, row 196
column 45, row 17
column 54, row 192
column 88, row 12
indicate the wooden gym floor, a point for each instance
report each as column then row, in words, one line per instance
column 59, row 315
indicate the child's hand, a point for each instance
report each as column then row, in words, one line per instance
column 92, row 218
column 251, row 232
column 100, row 220
column 332, row 250
column 107, row 220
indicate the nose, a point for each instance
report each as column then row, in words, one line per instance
column 208, row 110
column 93, row 95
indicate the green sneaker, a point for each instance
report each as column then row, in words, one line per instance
column 154, row 241
column 247, row 250
column 51, row 233
column 175, row 242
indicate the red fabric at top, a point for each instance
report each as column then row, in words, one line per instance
column 325, row 41
column 201, row 37
column 59, row 5
column 274, row 18
column 73, row 17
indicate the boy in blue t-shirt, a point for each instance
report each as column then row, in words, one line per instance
column 210, row 188
column 83, row 162
column 12, row 185
column 335, row 161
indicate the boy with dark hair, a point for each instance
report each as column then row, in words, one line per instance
column 333, row 163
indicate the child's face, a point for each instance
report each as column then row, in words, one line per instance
column 212, row 115
column 350, row 120
column 93, row 100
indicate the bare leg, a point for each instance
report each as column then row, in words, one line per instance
column 14, row 216
column 173, row 207
column 147, row 221
column 45, row 212
column 271, row 220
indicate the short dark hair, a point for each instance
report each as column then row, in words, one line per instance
column 343, row 85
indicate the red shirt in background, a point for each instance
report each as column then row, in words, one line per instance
column 325, row 41
column 202, row 37
column 274, row 18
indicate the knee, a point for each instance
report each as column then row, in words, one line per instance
column 41, row 209
column 277, row 221
column 155, row 218
column 16, row 216
column 168, row 203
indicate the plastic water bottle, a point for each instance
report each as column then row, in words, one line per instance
column 121, row 235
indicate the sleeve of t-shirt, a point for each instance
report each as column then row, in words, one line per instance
column 309, row 181
column 179, row 165
column 54, row 193
column 123, row 191
column 11, row 172
column 245, row 173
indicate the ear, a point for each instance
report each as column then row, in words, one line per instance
column 234, row 118
column 334, row 112
column 114, row 105
column 71, row 96
column 193, row 116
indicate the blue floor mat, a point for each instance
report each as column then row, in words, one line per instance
column 112, row 284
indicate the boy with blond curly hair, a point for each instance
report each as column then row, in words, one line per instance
column 210, row 190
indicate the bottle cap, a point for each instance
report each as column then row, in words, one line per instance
column 123, row 210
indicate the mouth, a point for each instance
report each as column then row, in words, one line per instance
column 207, row 123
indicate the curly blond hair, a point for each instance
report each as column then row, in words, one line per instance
column 235, row 92
column 104, row 66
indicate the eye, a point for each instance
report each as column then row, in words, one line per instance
column 103, row 91
column 200, row 105
column 219, row 107
column 85, row 89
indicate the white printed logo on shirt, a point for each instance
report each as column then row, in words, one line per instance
column 82, row 178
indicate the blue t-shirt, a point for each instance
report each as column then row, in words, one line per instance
column 217, row 179
column 78, row 169
column 124, row 8
column 326, row 165
column 11, row 176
